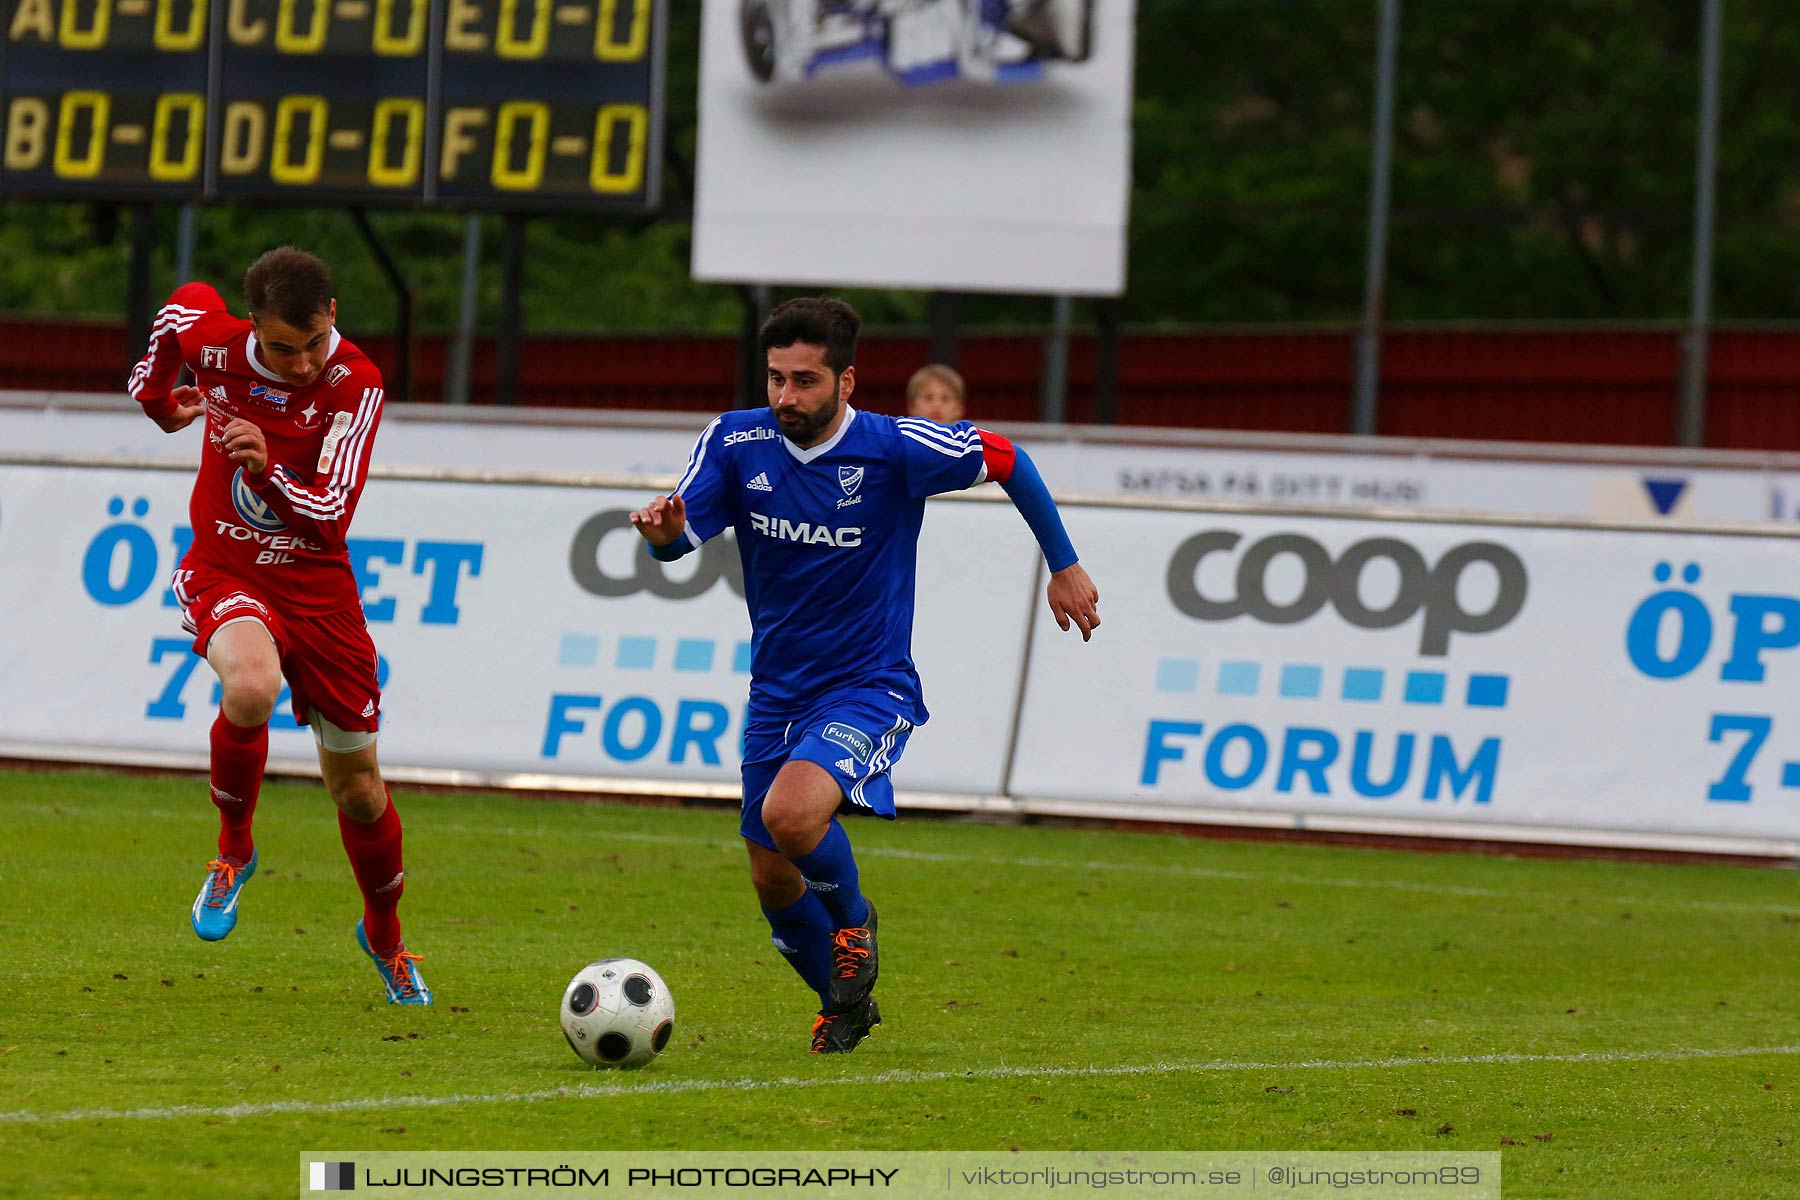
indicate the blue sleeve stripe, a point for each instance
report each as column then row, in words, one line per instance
column 698, row 456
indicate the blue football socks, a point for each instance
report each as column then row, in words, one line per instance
column 830, row 871
column 803, row 935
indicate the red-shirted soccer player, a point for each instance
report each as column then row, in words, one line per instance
column 291, row 410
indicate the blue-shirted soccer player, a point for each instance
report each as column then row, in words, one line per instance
column 827, row 503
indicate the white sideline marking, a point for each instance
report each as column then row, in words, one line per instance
column 1180, row 869
column 671, row 1086
column 732, row 846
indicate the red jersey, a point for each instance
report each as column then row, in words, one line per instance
column 282, row 532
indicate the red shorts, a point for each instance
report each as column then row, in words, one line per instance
column 328, row 660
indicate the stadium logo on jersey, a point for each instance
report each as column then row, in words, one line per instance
column 337, row 375
column 850, row 738
column 262, row 393
column 212, row 358
column 804, row 531
column 759, row 434
column 760, row 483
column 850, row 478
column 252, row 507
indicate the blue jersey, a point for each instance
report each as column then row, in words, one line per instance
column 829, row 538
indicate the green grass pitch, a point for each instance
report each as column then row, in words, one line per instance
column 1615, row 1029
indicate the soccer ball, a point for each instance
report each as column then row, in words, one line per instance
column 617, row 1013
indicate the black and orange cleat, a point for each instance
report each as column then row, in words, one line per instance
column 842, row 1032
column 853, row 964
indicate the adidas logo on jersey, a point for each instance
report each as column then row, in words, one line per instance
column 760, row 483
column 846, row 765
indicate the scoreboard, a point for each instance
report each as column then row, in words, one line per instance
column 519, row 105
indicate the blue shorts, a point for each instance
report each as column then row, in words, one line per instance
column 856, row 736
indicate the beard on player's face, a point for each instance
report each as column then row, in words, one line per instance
column 803, row 428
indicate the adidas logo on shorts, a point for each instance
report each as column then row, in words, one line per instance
column 369, row 709
column 846, row 765
column 760, row 483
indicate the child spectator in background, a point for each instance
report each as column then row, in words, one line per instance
column 937, row 393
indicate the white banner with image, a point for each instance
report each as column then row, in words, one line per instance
column 972, row 145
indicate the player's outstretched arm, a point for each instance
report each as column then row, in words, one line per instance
column 1073, row 597
column 662, row 522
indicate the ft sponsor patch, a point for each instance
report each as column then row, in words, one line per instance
column 850, row 738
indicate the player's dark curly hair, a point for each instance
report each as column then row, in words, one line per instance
column 290, row 285
column 818, row 321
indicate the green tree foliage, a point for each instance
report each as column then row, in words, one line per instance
column 1543, row 169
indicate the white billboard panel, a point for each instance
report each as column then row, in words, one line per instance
column 521, row 629
column 1458, row 674
column 971, row 145
column 1468, row 678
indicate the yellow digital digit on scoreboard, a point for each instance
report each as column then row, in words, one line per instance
column 388, row 113
column 537, row 119
column 607, row 47
column 636, row 122
column 166, row 36
column 188, row 111
column 78, row 156
column 508, row 44
column 385, row 41
column 73, row 37
column 290, row 39
column 314, row 111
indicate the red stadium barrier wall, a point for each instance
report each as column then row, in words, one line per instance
column 1597, row 386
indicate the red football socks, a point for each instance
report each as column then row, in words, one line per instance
column 238, row 756
column 374, row 851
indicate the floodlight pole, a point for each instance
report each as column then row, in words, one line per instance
column 942, row 309
column 512, row 282
column 138, row 305
column 753, row 369
column 1690, row 417
column 1106, row 362
column 462, row 350
column 1053, row 396
column 186, row 219
column 1365, row 402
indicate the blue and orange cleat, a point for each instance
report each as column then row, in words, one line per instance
column 404, row 983
column 854, row 964
column 836, row 1032
column 215, row 908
